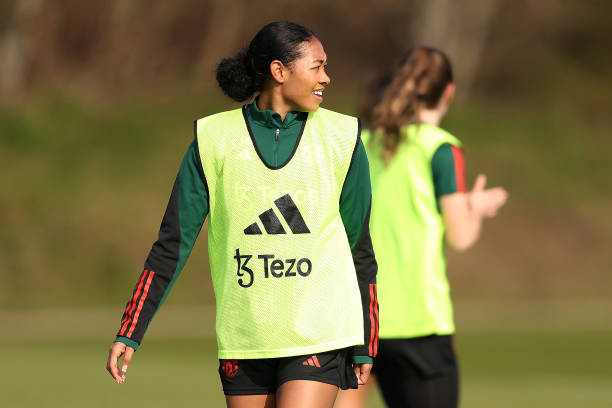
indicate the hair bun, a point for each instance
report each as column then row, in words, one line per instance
column 234, row 79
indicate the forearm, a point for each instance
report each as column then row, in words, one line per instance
column 462, row 223
column 154, row 281
column 366, row 269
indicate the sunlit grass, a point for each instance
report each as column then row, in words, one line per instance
column 527, row 369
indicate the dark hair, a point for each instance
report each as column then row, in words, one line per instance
column 418, row 83
column 246, row 73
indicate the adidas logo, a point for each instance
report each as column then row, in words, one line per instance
column 312, row 361
column 273, row 225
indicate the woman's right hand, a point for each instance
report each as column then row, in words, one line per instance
column 485, row 203
column 117, row 350
column 463, row 213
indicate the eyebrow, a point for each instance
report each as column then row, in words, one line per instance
column 319, row 61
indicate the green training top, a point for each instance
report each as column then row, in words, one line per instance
column 281, row 265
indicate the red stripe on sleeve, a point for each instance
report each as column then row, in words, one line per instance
column 132, row 304
column 142, row 299
column 377, row 320
column 372, row 323
column 459, row 161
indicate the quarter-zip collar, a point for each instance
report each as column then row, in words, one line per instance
column 272, row 120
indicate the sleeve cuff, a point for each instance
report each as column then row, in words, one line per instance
column 128, row 342
column 363, row 360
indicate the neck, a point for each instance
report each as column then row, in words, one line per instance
column 271, row 99
column 431, row 116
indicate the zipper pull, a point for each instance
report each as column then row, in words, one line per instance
column 276, row 136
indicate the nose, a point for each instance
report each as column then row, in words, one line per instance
column 325, row 79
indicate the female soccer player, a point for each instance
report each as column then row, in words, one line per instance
column 419, row 200
column 286, row 187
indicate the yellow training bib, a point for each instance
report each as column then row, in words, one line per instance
column 282, row 269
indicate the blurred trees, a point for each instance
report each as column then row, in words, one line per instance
column 119, row 44
column 461, row 29
column 105, row 44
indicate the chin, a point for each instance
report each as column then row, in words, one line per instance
column 310, row 106
column 314, row 106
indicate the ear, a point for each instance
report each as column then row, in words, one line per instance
column 278, row 71
column 449, row 93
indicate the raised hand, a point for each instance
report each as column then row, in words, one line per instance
column 485, row 203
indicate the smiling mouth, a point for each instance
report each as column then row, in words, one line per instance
column 318, row 93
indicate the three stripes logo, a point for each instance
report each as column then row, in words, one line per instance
column 134, row 306
column 312, row 361
column 272, row 223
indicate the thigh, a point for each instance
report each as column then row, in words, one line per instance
column 306, row 394
column 250, row 401
column 356, row 398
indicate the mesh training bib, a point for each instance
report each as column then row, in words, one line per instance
column 281, row 265
column 408, row 237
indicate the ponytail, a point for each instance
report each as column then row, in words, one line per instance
column 418, row 83
column 234, row 78
column 247, row 72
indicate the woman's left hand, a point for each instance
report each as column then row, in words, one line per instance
column 362, row 371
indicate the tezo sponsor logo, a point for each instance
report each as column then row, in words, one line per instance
column 269, row 267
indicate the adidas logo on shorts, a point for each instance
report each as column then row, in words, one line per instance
column 272, row 223
column 312, row 361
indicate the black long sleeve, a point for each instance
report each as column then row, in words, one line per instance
column 186, row 211
column 355, row 204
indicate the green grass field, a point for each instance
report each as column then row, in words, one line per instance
column 88, row 186
column 499, row 369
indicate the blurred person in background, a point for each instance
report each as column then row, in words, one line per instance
column 419, row 201
column 286, row 187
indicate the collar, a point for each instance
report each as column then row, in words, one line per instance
column 272, row 120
